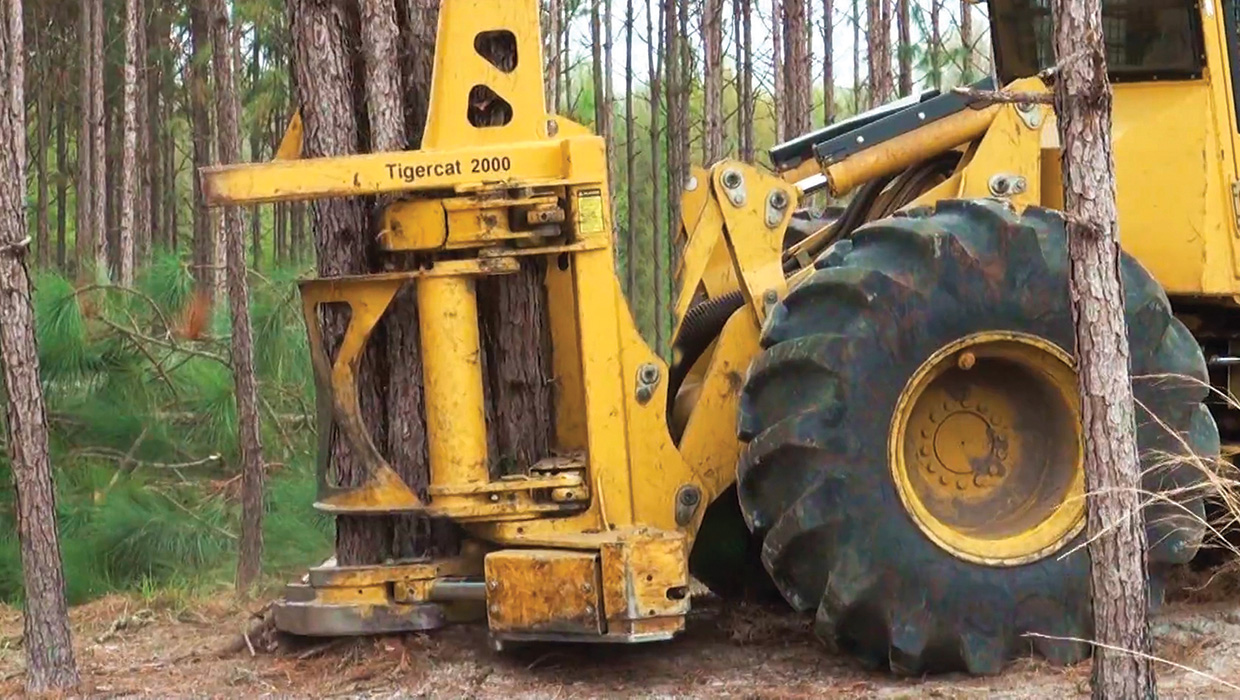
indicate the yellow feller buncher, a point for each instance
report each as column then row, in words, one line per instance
column 874, row 414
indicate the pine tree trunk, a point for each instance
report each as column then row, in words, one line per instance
column 1116, row 530
column 654, row 56
column 596, row 68
column 905, row 48
column 630, row 159
column 64, row 174
column 779, row 99
column 203, row 242
column 99, row 149
column 856, row 20
column 84, row 249
column 712, row 24
column 828, row 62
column 256, row 144
column 249, row 558
column 797, row 81
column 50, row 663
column 129, row 149
column 156, row 41
column 142, row 215
column 936, row 45
column 746, row 92
column 966, row 40
column 555, row 69
column 42, row 136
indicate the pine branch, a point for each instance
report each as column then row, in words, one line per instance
column 990, row 97
column 20, row 248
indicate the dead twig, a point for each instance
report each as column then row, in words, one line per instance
column 1149, row 657
column 320, row 649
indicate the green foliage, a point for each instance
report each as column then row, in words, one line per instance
column 143, row 436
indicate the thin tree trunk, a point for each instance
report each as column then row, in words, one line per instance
column 129, row 163
column 746, row 96
column 249, row 559
column 596, row 73
column 779, row 99
column 156, row 40
column 828, row 62
column 142, row 212
column 797, row 82
column 905, row 49
column 654, row 56
column 936, row 45
column 42, row 136
column 966, row 40
column 84, row 249
column 856, row 18
column 256, row 219
column 555, row 70
column 64, row 174
column 99, row 150
column 50, row 663
column 203, row 244
column 712, row 23
column 1116, row 530
column 630, row 159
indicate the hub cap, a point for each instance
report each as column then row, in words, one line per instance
column 986, row 449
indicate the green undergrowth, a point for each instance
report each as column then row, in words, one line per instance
column 143, row 433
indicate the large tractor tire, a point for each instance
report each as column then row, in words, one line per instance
column 913, row 458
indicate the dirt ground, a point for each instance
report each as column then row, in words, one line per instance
column 134, row 648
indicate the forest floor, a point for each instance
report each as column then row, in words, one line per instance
column 164, row 647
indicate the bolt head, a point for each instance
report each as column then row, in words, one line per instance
column 553, row 127
column 692, row 184
column 771, row 296
column 690, row 497
column 644, row 394
column 649, row 374
column 779, row 199
column 732, row 179
column 495, row 498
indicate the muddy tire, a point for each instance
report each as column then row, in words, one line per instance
column 814, row 480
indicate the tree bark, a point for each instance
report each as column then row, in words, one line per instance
column 797, row 81
column 630, row 159
column 1115, row 526
column 712, row 24
column 142, row 212
column 778, row 100
column 828, row 62
column 99, row 183
column 64, row 174
column 331, row 100
column 904, row 50
column 856, row 20
column 129, row 149
column 746, row 91
column 42, row 136
column 654, row 56
column 203, row 242
column 966, row 40
column 156, row 42
column 249, row 560
column 50, row 663
column 84, row 249
column 936, row 45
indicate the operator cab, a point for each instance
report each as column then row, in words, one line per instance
column 1146, row 40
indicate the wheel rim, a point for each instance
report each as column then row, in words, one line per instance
column 986, row 449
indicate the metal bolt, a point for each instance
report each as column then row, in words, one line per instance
column 644, row 393
column 770, row 297
column 1026, row 107
column 732, row 179
column 692, row 184
column 649, row 374
column 999, row 185
column 553, row 127
column 966, row 361
column 690, row 497
column 495, row 498
column 779, row 199
column 493, row 584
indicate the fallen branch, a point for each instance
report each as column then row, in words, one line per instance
column 1005, row 96
column 165, row 344
column 264, row 630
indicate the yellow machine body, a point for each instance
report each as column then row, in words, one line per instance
column 592, row 543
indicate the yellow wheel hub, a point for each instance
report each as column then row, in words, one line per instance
column 986, row 449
